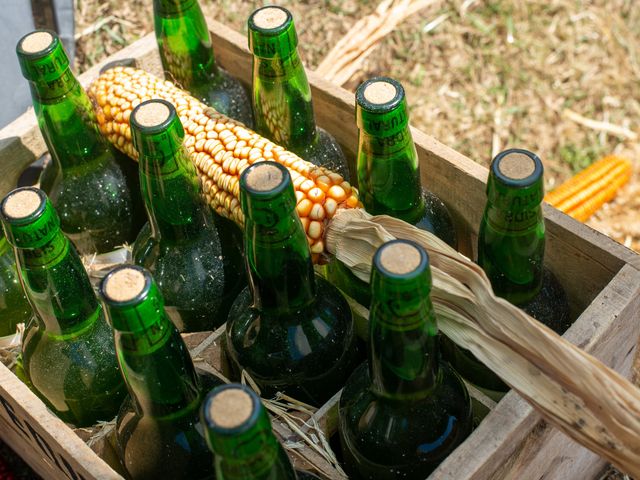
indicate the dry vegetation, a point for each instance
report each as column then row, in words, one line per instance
column 480, row 75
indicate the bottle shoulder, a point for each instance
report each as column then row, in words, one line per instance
column 227, row 95
column 437, row 219
column 326, row 152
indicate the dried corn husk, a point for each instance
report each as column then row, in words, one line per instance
column 575, row 392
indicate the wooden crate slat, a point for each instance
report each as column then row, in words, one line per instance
column 609, row 331
column 42, row 438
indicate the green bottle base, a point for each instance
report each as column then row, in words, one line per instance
column 308, row 357
column 549, row 307
column 385, row 439
column 78, row 378
column 155, row 448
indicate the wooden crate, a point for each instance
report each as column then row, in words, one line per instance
column 602, row 279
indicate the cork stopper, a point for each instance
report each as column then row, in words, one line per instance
column 264, row 177
column 231, row 408
column 517, row 166
column 21, row 204
column 269, row 18
column 124, row 285
column 380, row 92
column 152, row 114
column 36, row 42
column 400, row 258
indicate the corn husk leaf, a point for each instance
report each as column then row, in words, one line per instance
column 575, row 392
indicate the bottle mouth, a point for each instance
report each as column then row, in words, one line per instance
column 23, row 205
column 517, row 168
column 156, row 130
column 265, row 179
column 153, row 116
column 271, row 33
column 379, row 95
column 401, row 259
column 270, row 20
column 37, row 43
column 126, row 285
column 231, row 409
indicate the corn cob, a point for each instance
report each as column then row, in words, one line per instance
column 221, row 149
column 582, row 195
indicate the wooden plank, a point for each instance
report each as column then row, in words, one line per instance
column 43, row 439
column 512, row 442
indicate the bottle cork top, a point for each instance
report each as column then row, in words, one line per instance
column 269, row 18
column 152, row 114
column 380, row 92
column 264, row 177
column 22, row 203
column 124, row 284
column 400, row 258
column 231, row 408
column 36, row 42
column 517, row 166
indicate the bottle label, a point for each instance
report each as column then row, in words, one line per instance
column 49, row 254
column 387, row 125
column 58, row 87
column 148, row 340
column 514, row 220
column 279, row 68
column 388, row 146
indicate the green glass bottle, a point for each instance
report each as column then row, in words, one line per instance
column 291, row 330
column 405, row 411
column 511, row 247
column 389, row 173
column 67, row 349
column 281, row 94
column 187, row 56
column 182, row 240
column 239, row 434
column 94, row 189
column 14, row 307
column 158, row 431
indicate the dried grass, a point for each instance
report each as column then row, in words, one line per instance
column 480, row 75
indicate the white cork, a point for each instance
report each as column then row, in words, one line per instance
column 152, row 114
column 21, row 204
column 264, row 177
column 36, row 42
column 231, row 408
column 269, row 18
column 124, row 285
column 517, row 166
column 400, row 258
column 380, row 92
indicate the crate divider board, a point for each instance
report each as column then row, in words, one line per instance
column 602, row 279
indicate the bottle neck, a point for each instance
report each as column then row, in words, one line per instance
column 281, row 275
column 403, row 352
column 511, row 249
column 58, row 287
column 184, row 43
column 68, row 123
column 268, row 462
column 282, row 102
column 171, row 193
column 389, row 175
column 156, row 366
